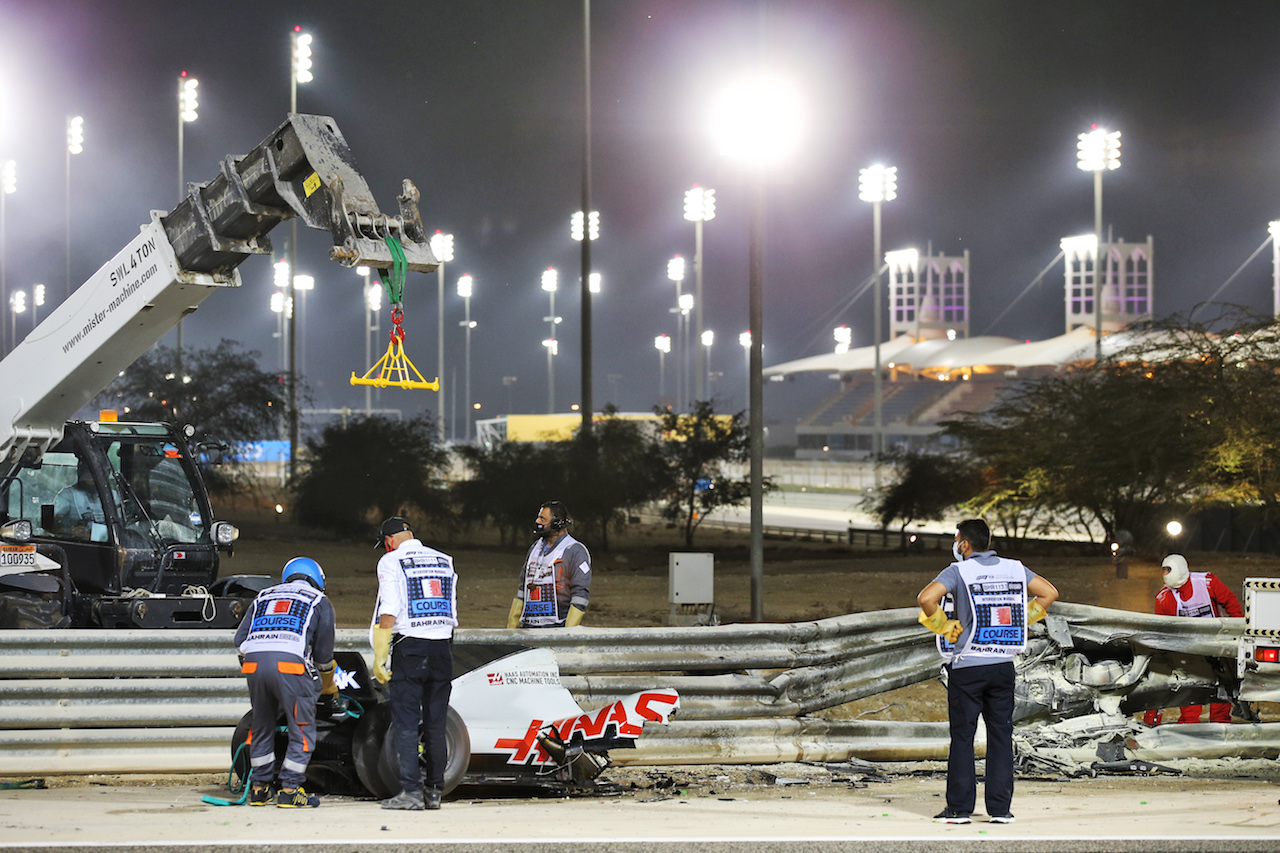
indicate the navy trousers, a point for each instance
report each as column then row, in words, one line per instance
column 986, row 691
column 421, row 682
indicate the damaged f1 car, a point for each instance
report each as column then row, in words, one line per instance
column 511, row 723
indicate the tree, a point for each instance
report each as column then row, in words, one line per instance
column 696, row 448
column 222, row 391
column 1184, row 416
column 926, row 486
column 372, row 465
column 507, row 483
column 618, row 465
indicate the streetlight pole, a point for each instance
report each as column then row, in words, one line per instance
column 549, row 284
column 757, row 122
column 37, row 299
column 1098, row 151
column 299, row 72
column 75, row 144
column 744, row 341
column 699, row 206
column 372, row 302
column 188, row 102
column 877, row 184
column 442, row 248
column 465, row 286
column 585, row 283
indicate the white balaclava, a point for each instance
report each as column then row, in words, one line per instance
column 1178, row 571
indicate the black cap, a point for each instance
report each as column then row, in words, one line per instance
column 393, row 525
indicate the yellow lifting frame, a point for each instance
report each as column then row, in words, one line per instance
column 395, row 368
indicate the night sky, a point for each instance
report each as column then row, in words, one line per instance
column 479, row 102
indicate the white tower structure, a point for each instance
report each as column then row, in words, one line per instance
column 1127, row 282
column 928, row 296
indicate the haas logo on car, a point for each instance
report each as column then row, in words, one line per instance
column 622, row 719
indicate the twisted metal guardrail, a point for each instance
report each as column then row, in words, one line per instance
column 83, row 701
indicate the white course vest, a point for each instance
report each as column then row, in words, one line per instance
column 281, row 616
column 540, row 606
column 998, row 602
column 1200, row 603
column 428, row 591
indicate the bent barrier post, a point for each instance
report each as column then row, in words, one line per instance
column 80, row 702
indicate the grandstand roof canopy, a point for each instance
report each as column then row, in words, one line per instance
column 982, row 354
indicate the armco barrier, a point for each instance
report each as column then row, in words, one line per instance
column 77, row 702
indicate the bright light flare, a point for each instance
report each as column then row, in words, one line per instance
column 708, row 337
column 662, row 343
column 1085, row 244
column 18, row 301
column 9, row 177
column 37, row 295
column 593, row 283
column 902, row 259
column 464, row 286
column 757, row 120
column 552, row 345
column 550, row 279
column 1174, row 528
column 281, row 273
column 304, row 282
column 744, row 340
column 685, row 302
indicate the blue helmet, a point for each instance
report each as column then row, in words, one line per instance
column 305, row 568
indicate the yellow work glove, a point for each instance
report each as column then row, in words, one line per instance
column 1035, row 612
column 513, row 618
column 574, row 617
column 327, row 685
column 382, row 655
column 939, row 624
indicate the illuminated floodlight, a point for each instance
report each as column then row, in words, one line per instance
column 878, row 183
column 675, row 268
column 464, row 286
column 592, row 225
column 442, row 247
column 550, row 280
column 1098, row 150
column 304, row 282
column 188, row 98
column 593, row 282
column 1084, row 244
column 708, row 337
column 281, row 272
column 744, row 340
column 662, row 343
column 685, row 302
column 844, row 338
column 302, row 56
column 373, row 297
column 552, row 345
column 757, row 120
column 75, row 134
column 37, row 294
column 699, row 204
column 902, row 259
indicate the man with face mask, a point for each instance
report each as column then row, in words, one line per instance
column 555, row 583
column 1196, row 594
column 995, row 600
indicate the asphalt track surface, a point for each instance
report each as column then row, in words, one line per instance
column 1119, row 814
